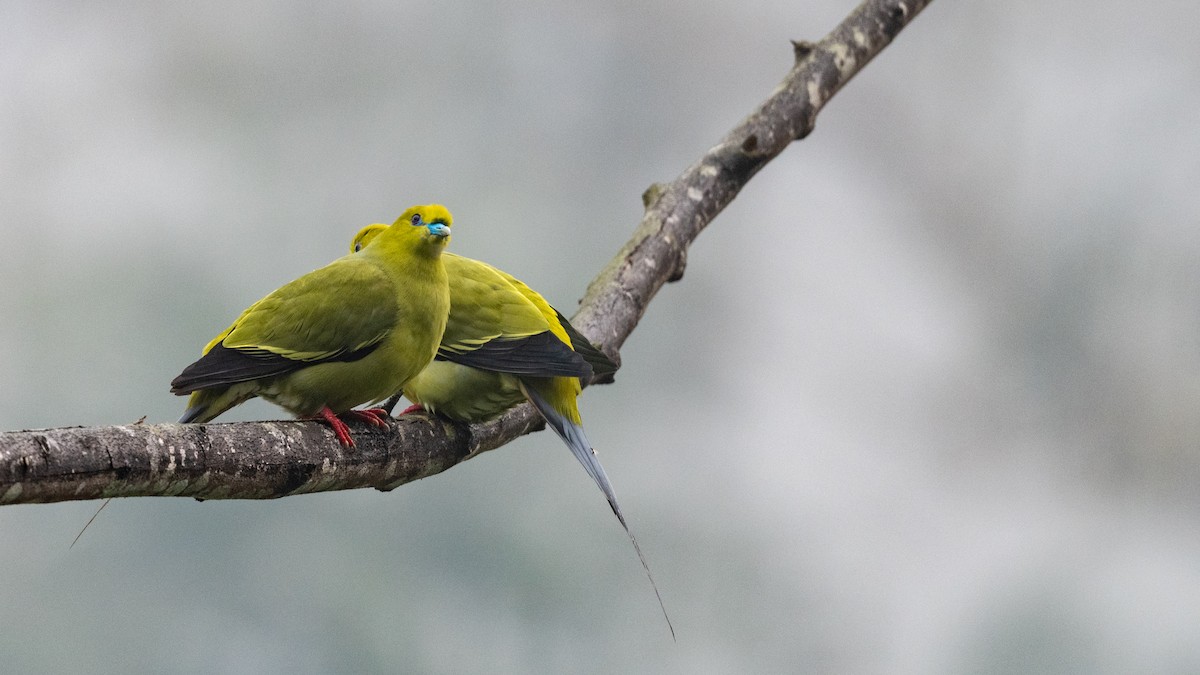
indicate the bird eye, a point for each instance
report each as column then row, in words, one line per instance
column 416, row 219
column 358, row 247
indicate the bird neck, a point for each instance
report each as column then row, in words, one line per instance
column 411, row 252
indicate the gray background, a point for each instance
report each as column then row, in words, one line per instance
column 925, row 402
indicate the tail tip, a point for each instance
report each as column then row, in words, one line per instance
column 192, row 414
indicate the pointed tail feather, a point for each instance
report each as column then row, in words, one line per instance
column 193, row 413
column 572, row 434
column 205, row 404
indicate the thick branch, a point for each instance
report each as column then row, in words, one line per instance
column 241, row 460
column 262, row 460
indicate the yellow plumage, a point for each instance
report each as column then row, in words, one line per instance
column 352, row 332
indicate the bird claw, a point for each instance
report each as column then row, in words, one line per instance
column 416, row 407
column 339, row 427
column 376, row 417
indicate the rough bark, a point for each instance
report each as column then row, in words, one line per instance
column 263, row 460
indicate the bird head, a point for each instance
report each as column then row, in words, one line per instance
column 425, row 227
column 435, row 219
column 365, row 236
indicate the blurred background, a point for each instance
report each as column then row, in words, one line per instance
column 925, row 402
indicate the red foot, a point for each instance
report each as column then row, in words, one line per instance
column 416, row 407
column 376, row 417
column 339, row 427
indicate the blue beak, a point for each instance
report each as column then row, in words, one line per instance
column 438, row 229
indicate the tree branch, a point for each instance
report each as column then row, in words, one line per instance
column 263, row 460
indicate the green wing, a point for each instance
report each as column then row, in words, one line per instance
column 494, row 326
column 340, row 312
column 600, row 363
column 602, row 366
